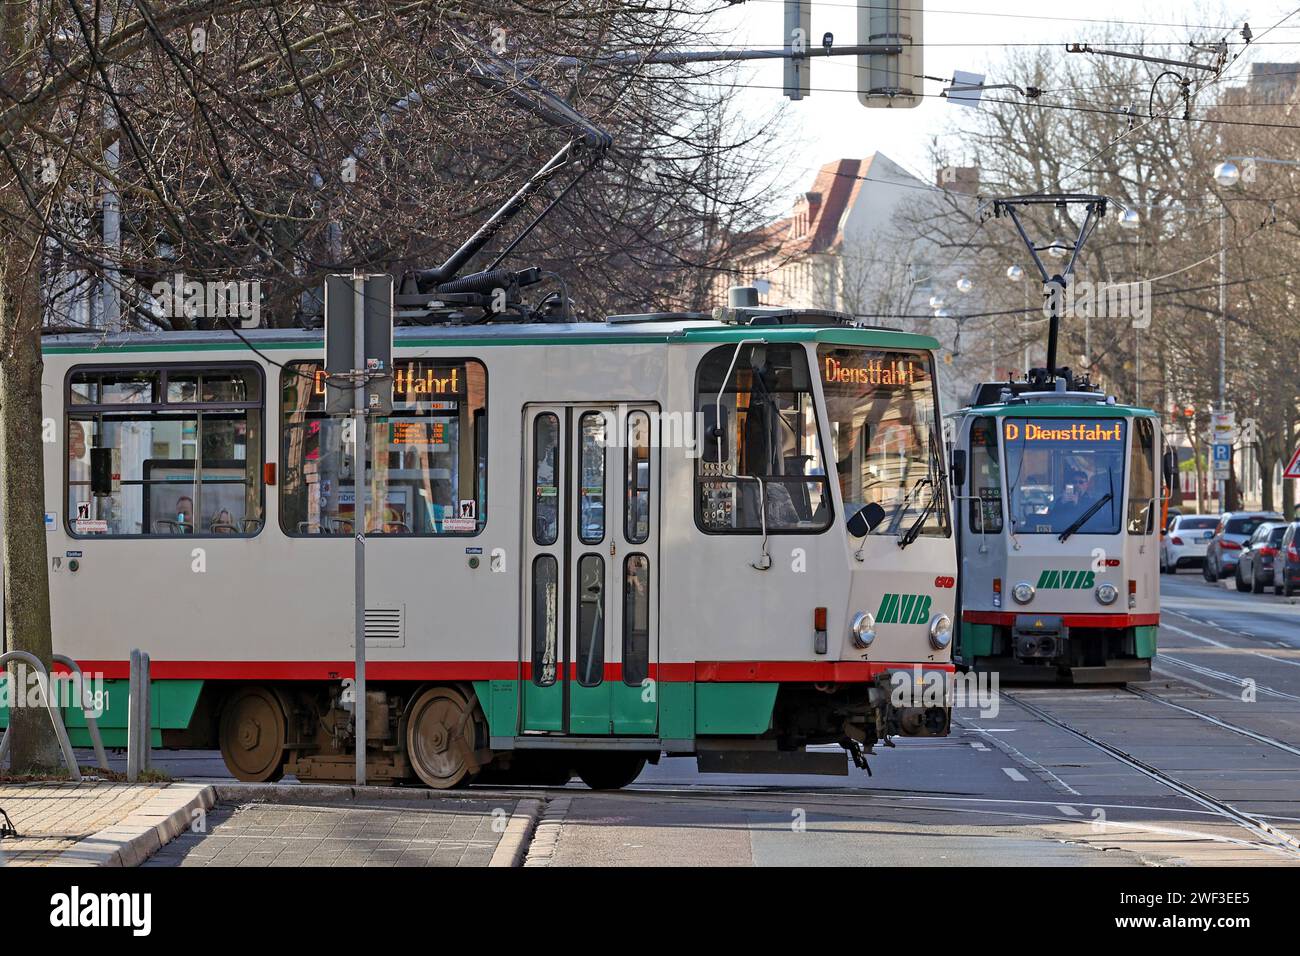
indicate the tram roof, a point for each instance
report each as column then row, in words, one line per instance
column 497, row 334
column 1057, row 409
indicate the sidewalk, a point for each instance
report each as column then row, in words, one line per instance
column 95, row 823
column 268, row 825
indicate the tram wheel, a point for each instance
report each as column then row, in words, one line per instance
column 609, row 771
column 440, row 732
column 253, row 733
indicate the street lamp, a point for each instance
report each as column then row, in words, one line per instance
column 1226, row 174
column 964, row 285
column 1129, row 219
column 937, row 302
column 1058, row 249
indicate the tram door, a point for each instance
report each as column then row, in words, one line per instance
column 590, row 621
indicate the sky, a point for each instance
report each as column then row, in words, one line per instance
column 968, row 36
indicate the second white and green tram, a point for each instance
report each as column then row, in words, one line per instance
column 1058, row 510
column 589, row 544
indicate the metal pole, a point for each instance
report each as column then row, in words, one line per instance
column 133, row 719
column 1028, row 356
column 359, row 516
column 1220, row 484
column 1055, row 289
column 146, row 714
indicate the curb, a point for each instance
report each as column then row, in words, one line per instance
column 144, row 831
column 546, row 838
column 333, row 793
column 514, row 844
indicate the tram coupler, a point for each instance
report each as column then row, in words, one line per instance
column 855, row 751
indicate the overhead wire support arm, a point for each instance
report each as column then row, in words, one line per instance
column 1221, row 56
column 681, row 57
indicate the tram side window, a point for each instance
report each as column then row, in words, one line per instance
column 178, row 451
column 546, row 599
column 985, row 477
column 637, row 466
column 762, row 399
column 426, row 464
column 591, row 620
column 636, row 619
column 546, row 478
column 1142, row 477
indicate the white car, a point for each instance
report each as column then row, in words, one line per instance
column 1185, row 542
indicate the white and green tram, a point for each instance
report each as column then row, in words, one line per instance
column 588, row 545
column 1058, row 506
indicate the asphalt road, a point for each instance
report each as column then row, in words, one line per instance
column 1200, row 765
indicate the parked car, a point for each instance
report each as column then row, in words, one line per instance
column 1233, row 530
column 1171, row 515
column 1255, row 566
column 1286, row 566
column 1184, row 544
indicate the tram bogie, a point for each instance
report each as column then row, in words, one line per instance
column 1058, row 505
column 587, row 545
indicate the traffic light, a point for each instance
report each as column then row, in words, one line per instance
column 890, row 80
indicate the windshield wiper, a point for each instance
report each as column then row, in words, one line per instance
column 1080, row 521
column 936, row 490
column 911, row 534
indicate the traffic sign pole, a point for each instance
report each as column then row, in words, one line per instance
column 359, row 516
column 359, row 351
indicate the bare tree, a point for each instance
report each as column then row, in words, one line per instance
column 231, row 139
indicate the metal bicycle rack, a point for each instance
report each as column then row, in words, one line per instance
column 69, row 758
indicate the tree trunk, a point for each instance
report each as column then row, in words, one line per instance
column 22, row 492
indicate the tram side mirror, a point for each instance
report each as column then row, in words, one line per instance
column 864, row 519
column 1170, row 467
column 714, row 437
column 958, row 467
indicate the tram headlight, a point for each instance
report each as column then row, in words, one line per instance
column 1107, row 593
column 862, row 629
column 941, row 631
column 1023, row 592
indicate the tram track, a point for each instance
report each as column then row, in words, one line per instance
column 1261, row 828
column 1217, row 721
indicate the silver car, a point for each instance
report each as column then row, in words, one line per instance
column 1184, row 544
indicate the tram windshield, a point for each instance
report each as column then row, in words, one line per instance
column 884, row 432
column 1065, row 474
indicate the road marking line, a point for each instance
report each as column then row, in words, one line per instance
column 1015, row 774
column 980, row 746
column 1068, row 811
column 1228, row 647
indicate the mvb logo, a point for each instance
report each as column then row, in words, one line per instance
column 1066, row 580
column 903, row 609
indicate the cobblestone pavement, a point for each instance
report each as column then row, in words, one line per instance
column 445, row 832
column 52, row 817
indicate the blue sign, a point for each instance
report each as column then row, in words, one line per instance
column 1223, row 453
